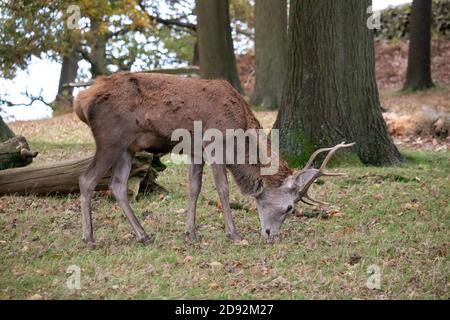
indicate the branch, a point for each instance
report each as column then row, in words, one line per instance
column 29, row 96
column 85, row 55
column 168, row 22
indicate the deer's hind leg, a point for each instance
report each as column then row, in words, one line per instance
column 195, row 185
column 102, row 162
column 119, row 187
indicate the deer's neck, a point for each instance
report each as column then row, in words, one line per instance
column 248, row 176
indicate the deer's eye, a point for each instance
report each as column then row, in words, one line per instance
column 289, row 208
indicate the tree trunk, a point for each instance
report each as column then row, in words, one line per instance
column 215, row 45
column 15, row 153
column 62, row 177
column 98, row 60
column 418, row 72
column 195, row 56
column 330, row 93
column 69, row 69
column 270, row 51
column 68, row 74
column 5, row 132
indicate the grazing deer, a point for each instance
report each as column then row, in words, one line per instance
column 128, row 112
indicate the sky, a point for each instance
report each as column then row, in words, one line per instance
column 43, row 76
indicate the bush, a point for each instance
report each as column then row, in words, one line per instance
column 395, row 21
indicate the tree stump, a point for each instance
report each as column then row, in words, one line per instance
column 15, row 152
column 62, row 177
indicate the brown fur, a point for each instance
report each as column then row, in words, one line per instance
column 144, row 109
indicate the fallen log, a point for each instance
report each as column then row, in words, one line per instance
column 62, row 177
column 15, row 152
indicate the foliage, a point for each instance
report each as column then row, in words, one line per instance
column 28, row 28
column 129, row 29
column 395, row 21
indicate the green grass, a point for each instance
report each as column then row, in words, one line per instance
column 396, row 218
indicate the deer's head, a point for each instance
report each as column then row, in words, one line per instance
column 275, row 204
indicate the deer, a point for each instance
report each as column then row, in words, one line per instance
column 129, row 112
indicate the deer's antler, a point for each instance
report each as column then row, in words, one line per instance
column 306, row 177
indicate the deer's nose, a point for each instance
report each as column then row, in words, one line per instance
column 268, row 232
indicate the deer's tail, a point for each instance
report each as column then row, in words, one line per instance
column 80, row 106
column 85, row 100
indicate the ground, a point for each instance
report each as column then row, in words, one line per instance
column 395, row 220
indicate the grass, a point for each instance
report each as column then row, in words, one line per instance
column 395, row 218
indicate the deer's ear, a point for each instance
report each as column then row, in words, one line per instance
column 299, row 179
column 259, row 188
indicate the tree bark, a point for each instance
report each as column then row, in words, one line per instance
column 270, row 51
column 330, row 92
column 69, row 69
column 5, row 132
column 68, row 74
column 62, row 177
column 97, row 57
column 418, row 72
column 215, row 45
column 15, row 152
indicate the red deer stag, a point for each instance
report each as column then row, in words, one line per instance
column 128, row 112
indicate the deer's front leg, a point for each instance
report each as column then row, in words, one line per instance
column 221, row 182
column 195, row 185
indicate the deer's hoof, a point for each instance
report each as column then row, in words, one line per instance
column 91, row 245
column 190, row 237
column 146, row 240
column 235, row 237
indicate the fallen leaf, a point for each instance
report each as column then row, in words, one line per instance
column 378, row 197
column 243, row 242
column 215, row 264
column 213, row 285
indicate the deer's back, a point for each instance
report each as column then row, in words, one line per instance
column 165, row 101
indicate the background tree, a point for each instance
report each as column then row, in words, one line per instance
column 112, row 36
column 418, row 73
column 215, row 45
column 270, row 51
column 330, row 91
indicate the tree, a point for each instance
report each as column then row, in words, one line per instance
column 418, row 72
column 215, row 45
column 330, row 92
column 68, row 74
column 270, row 51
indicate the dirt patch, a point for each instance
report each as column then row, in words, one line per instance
column 391, row 59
